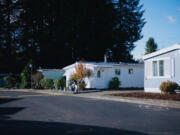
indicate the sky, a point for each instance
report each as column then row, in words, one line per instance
column 162, row 23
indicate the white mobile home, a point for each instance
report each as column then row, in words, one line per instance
column 161, row 66
column 130, row 74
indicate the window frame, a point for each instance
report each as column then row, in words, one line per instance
column 155, row 68
column 161, row 66
column 158, row 76
column 98, row 74
column 117, row 72
column 130, row 71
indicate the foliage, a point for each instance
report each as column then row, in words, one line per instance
column 72, row 81
column 81, row 85
column 26, row 76
column 114, row 83
column 46, row 83
column 81, row 72
column 113, row 28
column 168, row 87
column 36, row 78
column 10, row 81
column 151, row 46
column 18, row 85
column 60, row 83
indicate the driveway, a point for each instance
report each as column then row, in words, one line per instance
column 25, row 113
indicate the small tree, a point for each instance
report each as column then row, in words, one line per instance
column 151, row 46
column 26, row 76
column 81, row 73
column 36, row 78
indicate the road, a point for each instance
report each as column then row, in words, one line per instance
column 27, row 113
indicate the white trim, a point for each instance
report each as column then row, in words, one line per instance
column 158, row 59
column 172, row 67
column 165, row 50
column 158, row 77
column 104, row 65
column 153, row 90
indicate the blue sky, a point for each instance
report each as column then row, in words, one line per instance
column 163, row 23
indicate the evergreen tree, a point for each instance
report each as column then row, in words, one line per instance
column 8, row 35
column 151, row 46
column 63, row 31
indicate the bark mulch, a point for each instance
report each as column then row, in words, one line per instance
column 145, row 95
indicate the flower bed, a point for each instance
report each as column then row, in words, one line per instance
column 144, row 95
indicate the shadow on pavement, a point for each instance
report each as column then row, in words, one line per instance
column 6, row 100
column 28, row 127
column 6, row 111
column 16, row 127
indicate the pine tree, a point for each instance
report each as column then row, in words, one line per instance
column 129, row 23
column 151, row 46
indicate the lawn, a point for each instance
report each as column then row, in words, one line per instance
column 144, row 95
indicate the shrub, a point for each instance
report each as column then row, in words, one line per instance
column 3, row 83
column 46, row 83
column 57, row 83
column 114, row 83
column 17, row 85
column 36, row 78
column 60, row 83
column 10, row 81
column 168, row 87
column 81, row 85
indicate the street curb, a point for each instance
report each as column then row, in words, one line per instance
column 153, row 102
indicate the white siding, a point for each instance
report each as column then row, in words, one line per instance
column 167, row 67
column 107, row 73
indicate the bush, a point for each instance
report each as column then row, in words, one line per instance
column 114, row 83
column 46, row 83
column 36, row 78
column 60, row 83
column 81, row 85
column 168, row 87
column 3, row 83
column 10, row 81
column 17, row 85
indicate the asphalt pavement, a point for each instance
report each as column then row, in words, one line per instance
column 30, row 113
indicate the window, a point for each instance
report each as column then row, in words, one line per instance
column 130, row 71
column 99, row 74
column 161, row 68
column 158, row 69
column 117, row 71
column 154, row 68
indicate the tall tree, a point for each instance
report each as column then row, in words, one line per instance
column 129, row 23
column 8, row 35
column 151, row 46
column 63, row 31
